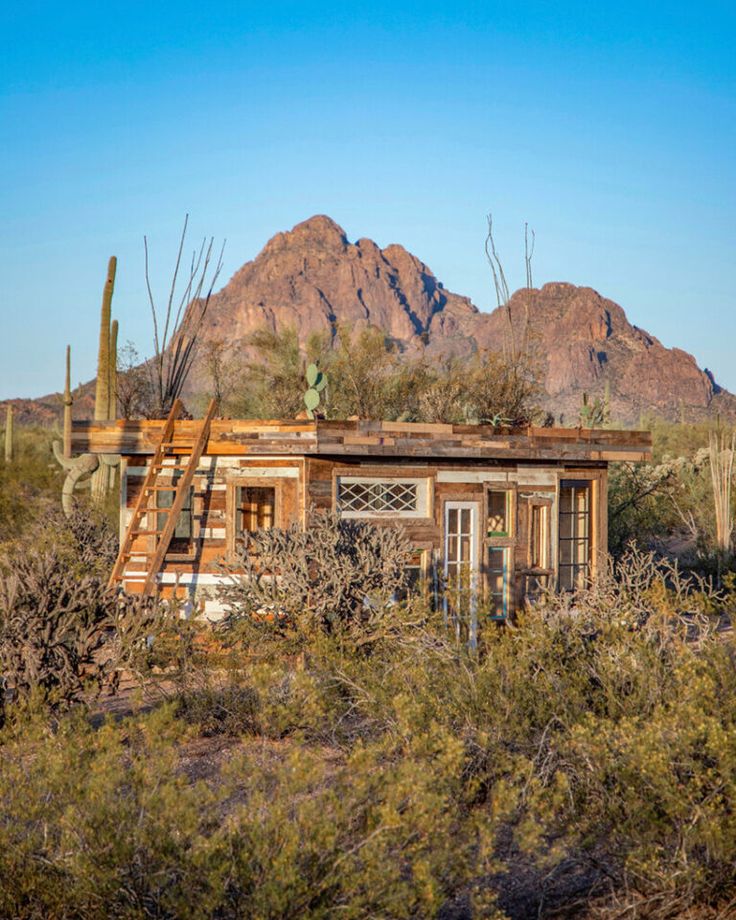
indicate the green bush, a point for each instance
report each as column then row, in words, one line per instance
column 582, row 758
column 29, row 482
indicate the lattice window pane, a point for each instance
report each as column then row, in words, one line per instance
column 378, row 497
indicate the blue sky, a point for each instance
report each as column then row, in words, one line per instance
column 608, row 126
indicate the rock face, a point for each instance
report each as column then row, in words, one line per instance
column 313, row 279
column 584, row 343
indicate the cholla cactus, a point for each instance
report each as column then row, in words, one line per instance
column 60, row 630
column 334, row 571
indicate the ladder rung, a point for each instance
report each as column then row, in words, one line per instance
column 185, row 463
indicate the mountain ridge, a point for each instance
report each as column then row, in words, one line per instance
column 312, row 278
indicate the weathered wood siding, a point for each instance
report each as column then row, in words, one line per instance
column 309, row 482
column 245, row 437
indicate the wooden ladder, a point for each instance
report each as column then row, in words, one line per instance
column 150, row 489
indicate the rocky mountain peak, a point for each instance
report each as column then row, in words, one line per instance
column 313, row 279
column 317, row 232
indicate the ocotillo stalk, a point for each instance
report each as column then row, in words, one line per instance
column 68, row 404
column 9, row 435
column 100, row 477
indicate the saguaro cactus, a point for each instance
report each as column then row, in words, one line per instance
column 113, row 365
column 68, row 401
column 9, row 434
column 101, row 478
column 113, row 392
column 102, row 389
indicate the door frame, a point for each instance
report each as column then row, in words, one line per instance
column 474, row 506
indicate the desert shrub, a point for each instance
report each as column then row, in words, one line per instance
column 368, row 376
column 62, row 631
column 333, row 571
column 31, row 479
column 561, row 720
column 668, row 505
column 580, row 759
column 647, row 797
column 218, row 708
column 107, row 824
column 86, row 540
column 102, row 824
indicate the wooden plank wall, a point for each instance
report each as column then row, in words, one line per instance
column 310, row 482
column 212, row 539
column 230, row 437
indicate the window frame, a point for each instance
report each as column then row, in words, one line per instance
column 506, row 543
column 589, row 485
column 506, row 573
column 424, row 495
column 194, row 515
column 231, row 509
column 423, row 585
column 544, row 506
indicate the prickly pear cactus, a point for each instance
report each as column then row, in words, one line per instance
column 316, row 381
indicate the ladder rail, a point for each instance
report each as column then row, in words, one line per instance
column 141, row 505
column 181, row 489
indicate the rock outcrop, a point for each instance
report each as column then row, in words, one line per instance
column 312, row 278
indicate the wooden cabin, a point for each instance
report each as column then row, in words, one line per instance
column 517, row 510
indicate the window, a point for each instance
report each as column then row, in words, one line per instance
column 416, row 574
column 574, row 533
column 539, row 536
column 373, row 497
column 255, row 503
column 181, row 541
column 499, row 550
column 255, row 508
column 498, row 580
column 459, row 543
column 461, row 567
column 499, row 513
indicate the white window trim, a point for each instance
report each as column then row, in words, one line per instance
column 423, row 509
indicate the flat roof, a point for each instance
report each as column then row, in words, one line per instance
column 364, row 438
